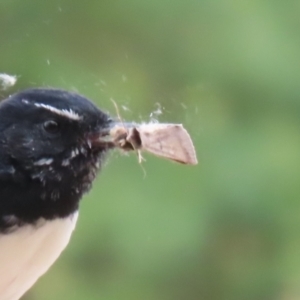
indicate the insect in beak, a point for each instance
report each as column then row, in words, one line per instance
column 170, row 141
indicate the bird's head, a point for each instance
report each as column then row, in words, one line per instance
column 48, row 139
column 45, row 126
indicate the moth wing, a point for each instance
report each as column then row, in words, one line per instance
column 169, row 141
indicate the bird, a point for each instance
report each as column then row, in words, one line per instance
column 50, row 155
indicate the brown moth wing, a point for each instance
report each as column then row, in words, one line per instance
column 169, row 141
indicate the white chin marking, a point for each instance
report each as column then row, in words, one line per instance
column 29, row 251
column 43, row 162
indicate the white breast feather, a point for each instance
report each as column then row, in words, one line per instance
column 28, row 252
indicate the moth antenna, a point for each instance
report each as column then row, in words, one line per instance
column 144, row 171
column 141, row 159
column 117, row 111
column 140, row 156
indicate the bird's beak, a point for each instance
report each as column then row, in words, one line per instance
column 115, row 135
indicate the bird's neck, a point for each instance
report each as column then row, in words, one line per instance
column 49, row 193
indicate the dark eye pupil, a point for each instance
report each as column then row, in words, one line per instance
column 51, row 126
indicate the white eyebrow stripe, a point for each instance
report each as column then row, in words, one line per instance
column 70, row 114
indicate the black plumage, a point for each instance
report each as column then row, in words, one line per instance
column 48, row 157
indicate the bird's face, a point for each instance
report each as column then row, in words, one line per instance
column 49, row 142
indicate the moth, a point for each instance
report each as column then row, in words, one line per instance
column 170, row 141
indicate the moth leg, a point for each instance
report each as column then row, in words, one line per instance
column 140, row 156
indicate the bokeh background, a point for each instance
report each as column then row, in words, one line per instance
column 230, row 72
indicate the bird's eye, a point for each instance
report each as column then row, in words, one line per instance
column 51, row 126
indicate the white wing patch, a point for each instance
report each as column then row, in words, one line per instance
column 67, row 113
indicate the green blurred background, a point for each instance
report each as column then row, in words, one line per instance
column 230, row 72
